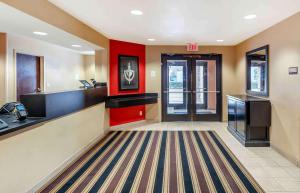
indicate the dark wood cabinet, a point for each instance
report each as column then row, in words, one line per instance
column 240, row 118
column 249, row 119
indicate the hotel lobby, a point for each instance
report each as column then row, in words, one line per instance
column 149, row 96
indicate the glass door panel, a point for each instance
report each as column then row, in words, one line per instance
column 206, row 95
column 201, row 85
column 191, row 86
column 177, row 87
column 206, row 98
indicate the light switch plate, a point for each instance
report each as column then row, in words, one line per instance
column 153, row 74
column 293, row 70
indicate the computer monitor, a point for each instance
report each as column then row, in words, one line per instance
column 86, row 84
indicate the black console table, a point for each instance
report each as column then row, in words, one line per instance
column 128, row 100
column 249, row 119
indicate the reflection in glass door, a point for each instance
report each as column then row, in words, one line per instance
column 201, row 85
column 207, row 87
column 191, row 86
column 176, row 89
column 177, row 85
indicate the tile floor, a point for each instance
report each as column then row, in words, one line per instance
column 271, row 170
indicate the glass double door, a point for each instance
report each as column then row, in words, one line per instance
column 191, row 88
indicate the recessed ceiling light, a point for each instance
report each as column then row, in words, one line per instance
column 151, row 39
column 76, row 46
column 251, row 16
column 220, row 40
column 40, row 33
column 136, row 12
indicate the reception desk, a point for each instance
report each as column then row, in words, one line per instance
column 42, row 146
column 15, row 125
column 45, row 106
column 55, row 104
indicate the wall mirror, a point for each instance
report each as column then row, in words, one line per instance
column 257, row 71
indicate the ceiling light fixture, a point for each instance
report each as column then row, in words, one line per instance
column 136, row 12
column 76, row 46
column 220, row 40
column 40, row 33
column 251, row 16
column 151, row 39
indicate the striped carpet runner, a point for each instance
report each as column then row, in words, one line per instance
column 156, row 161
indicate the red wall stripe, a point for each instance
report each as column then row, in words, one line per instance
column 129, row 114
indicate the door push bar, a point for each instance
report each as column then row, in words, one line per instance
column 189, row 91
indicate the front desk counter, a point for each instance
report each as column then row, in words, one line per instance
column 15, row 125
column 35, row 150
column 45, row 106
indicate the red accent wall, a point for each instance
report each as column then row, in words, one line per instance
column 129, row 114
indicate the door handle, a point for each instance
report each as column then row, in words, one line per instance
column 185, row 91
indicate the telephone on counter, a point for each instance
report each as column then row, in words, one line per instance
column 3, row 124
column 18, row 109
column 20, row 112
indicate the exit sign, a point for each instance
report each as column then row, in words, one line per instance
column 192, row 47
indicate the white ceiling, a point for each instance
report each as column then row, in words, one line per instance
column 16, row 22
column 177, row 22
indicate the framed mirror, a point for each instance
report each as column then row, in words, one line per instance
column 258, row 71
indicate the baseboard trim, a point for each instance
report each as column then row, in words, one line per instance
column 116, row 127
column 67, row 163
column 285, row 155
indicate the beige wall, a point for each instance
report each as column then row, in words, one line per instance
column 95, row 66
column 102, row 67
column 28, row 158
column 62, row 67
column 284, row 41
column 89, row 65
column 2, row 66
column 153, row 63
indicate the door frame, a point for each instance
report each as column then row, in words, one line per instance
column 219, row 96
column 42, row 70
column 219, row 82
column 186, row 117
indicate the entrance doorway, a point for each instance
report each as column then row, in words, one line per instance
column 191, row 87
column 28, row 74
